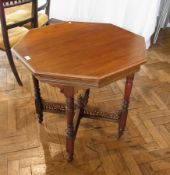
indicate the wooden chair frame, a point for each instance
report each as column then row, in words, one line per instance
column 45, row 6
column 5, row 27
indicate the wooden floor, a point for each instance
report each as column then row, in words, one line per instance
column 27, row 148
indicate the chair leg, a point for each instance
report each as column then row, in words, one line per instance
column 13, row 67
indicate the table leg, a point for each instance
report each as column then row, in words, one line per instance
column 124, row 111
column 38, row 100
column 82, row 102
column 70, row 134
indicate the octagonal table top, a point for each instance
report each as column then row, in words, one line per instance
column 81, row 54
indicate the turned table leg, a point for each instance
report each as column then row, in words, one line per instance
column 82, row 102
column 38, row 100
column 124, row 111
column 70, row 134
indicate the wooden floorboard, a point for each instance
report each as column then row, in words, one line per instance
column 28, row 148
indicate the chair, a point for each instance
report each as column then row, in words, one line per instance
column 25, row 13
column 16, row 24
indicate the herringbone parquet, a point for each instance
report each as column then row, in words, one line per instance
column 27, row 148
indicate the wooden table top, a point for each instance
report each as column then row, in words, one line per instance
column 81, row 54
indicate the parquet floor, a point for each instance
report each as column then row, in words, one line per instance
column 27, row 148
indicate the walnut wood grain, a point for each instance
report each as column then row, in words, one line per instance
column 81, row 54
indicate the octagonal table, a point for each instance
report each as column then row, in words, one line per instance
column 81, row 55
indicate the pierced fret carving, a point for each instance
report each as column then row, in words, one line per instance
column 53, row 107
column 99, row 115
column 88, row 113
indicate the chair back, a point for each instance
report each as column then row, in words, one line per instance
column 46, row 7
column 19, row 20
column 5, row 27
column 12, row 3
